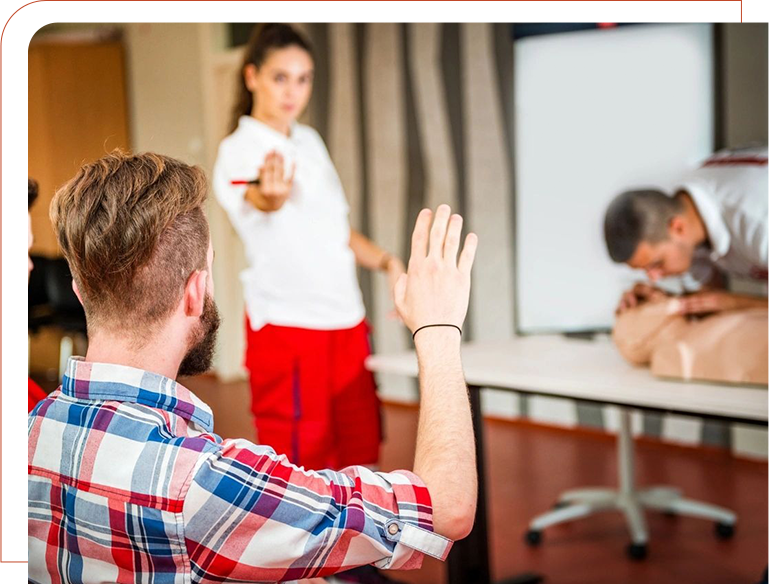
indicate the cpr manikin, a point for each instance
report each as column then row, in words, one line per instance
column 728, row 347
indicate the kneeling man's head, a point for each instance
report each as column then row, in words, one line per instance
column 646, row 229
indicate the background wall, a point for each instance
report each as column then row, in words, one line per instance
column 166, row 101
column 744, row 82
column 414, row 115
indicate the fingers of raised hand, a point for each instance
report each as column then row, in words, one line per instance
column 453, row 235
column 443, row 239
column 273, row 181
column 419, row 237
column 269, row 162
column 467, row 257
column 438, row 231
column 267, row 175
column 279, row 166
column 264, row 171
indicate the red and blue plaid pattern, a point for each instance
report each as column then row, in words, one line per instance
column 128, row 483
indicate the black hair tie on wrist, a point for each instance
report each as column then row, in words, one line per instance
column 413, row 336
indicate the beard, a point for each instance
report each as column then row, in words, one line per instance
column 200, row 355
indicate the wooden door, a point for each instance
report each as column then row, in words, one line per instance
column 77, row 113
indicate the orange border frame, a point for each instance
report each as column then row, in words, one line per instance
column 14, row 566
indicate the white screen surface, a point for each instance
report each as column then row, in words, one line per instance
column 597, row 113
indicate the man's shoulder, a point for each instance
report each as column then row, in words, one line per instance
column 108, row 431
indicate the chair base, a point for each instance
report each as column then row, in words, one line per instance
column 579, row 503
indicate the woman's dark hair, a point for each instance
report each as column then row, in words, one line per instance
column 264, row 39
column 32, row 192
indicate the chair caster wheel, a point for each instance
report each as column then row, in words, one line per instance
column 724, row 530
column 637, row 551
column 533, row 537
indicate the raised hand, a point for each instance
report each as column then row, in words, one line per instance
column 436, row 287
column 274, row 187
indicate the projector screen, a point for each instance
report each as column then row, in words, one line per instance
column 598, row 112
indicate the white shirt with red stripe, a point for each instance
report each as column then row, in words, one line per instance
column 301, row 269
column 730, row 192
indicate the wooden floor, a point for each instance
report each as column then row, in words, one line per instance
column 529, row 465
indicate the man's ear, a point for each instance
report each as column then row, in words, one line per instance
column 77, row 292
column 676, row 226
column 195, row 293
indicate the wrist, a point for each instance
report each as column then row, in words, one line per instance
column 436, row 325
column 384, row 262
column 437, row 342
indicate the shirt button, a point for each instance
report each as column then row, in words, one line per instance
column 393, row 529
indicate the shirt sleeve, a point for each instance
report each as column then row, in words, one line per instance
column 759, row 241
column 250, row 515
column 231, row 197
column 323, row 154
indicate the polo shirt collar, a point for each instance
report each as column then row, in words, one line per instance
column 718, row 233
column 253, row 124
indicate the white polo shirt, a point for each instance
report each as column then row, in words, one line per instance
column 301, row 269
column 730, row 192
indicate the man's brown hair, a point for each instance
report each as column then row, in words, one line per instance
column 133, row 230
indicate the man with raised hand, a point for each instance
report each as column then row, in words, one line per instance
column 127, row 480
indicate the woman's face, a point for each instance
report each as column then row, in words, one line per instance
column 282, row 84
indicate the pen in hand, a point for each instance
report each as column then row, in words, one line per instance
column 255, row 181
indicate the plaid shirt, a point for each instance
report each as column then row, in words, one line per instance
column 127, row 483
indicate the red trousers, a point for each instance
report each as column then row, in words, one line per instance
column 312, row 398
column 35, row 393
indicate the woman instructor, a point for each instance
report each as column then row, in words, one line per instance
column 307, row 338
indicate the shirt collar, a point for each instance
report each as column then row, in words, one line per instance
column 108, row 381
column 718, row 233
column 259, row 126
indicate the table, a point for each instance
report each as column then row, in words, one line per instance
column 593, row 371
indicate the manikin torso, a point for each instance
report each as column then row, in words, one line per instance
column 728, row 347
